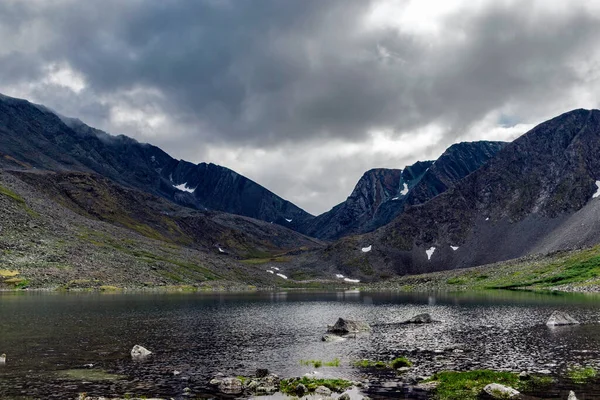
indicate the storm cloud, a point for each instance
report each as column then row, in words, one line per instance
column 304, row 96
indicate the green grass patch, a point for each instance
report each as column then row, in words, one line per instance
column 314, row 363
column 456, row 281
column 333, row 363
column 289, row 386
column 400, row 362
column 370, row 364
column 468, row 385
column 579, row 374
column 259, row 261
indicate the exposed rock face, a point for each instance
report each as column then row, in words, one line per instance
column 561, row 318
column 140, row 352
column 33, row 136
column 381, row 194
column 424, row 318
column 498, row 391
column 345, row 326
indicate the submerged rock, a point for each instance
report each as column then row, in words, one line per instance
column 140, row 352
column 498, row 391
column 261, row 372
column 424, row 318
column 561, row 318
column 328, row 337
column 345, row 326
column 231, row 386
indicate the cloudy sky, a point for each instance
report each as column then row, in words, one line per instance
column 303, row 96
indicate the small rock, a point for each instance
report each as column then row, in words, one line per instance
column 572, row 396
column 3, row 359
column 524, row 375
column 261, row 372
column 300, row 389
column 403, row 369
column 231, row 386
column 175, row 373
column 323, row 391
column 561, row 318
column 424, row 318
column 345, row 326
column 498, row 391
column 344, row 396
column 139, row 352
column 215, row 381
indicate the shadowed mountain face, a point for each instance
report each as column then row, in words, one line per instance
column 535, row 196
column 381, row 194
column 35, row 137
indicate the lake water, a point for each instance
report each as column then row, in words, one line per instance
column 199, row 335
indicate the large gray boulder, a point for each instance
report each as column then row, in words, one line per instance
column 561, row 318
column 231, row 386
column 424, row 318
column 498, row 391
column 345, row 326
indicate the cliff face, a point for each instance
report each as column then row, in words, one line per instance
column 382, row 194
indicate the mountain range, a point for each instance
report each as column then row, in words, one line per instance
column 479, row 202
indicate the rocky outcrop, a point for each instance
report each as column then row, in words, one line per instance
column 561, row 318
column 345, row 326
column 498, row 391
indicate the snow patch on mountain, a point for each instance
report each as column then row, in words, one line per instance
column 339, row 276
column 597, row 190
column 282, row 276
column 288, row 220
column 454, row 248
column 404, row 191
column 183, row 187
column 351, row 280
column 430, row 252
column 367, row 249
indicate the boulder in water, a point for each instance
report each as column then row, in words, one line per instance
column 140, row 352
column 561, row 318
column 345, row 326
column 498, row 391
column 424, row 318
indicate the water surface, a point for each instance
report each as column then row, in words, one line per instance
column 200, row 335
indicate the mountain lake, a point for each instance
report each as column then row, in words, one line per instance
column 61, row 344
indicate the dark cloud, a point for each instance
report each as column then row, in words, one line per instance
column 271, row 74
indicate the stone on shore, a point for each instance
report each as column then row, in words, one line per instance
column 561, row 318
column 231, row 386
column 345, row 326
column 323, row 391
column 139, row 352
column 3, row 359
column 498, row 391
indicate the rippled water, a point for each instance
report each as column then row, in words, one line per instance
column 203, row 334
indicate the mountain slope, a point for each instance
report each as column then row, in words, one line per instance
column 80, row 230
column 35, row 137
column 534, row 196
column 381, row 194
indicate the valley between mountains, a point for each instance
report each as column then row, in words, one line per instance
column 85, row 210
